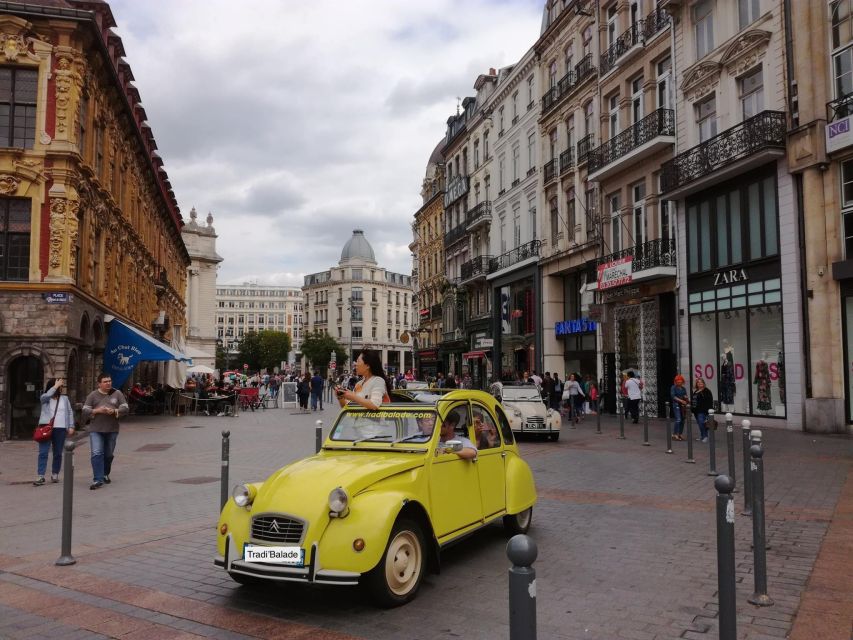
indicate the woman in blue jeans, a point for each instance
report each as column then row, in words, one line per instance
column 678, row 395
column 54, row 406
column 701, row 403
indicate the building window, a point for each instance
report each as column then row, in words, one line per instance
column 530, row 90
column 613, row 121
column 748, row 11
column 636, row 100
column 502, row 237
column 587, row 41
column 531, row 151
column 516, row 226
column 501, row 168
column 14, row 239
column 514, row 106
column 555, row 220
column 842, row 52
column 752, row 93
column 516, row 158
column 664, row 68
column 476, row 154
column 615, row 222
column 571, row 216
column 706, row 118
column 733, row 225
column 703, row 24
column 18, row 90
column 552, row 144
column 552, row 74
column 847, row 206
column 638, row 213
column 591, row 216
column 500, row 120
column 588, row 125
column 356, row 331
column 569, row 57
column 83, row 125
column 485, row 146
column 611, row 25
column 531, row 212
column 373, row 332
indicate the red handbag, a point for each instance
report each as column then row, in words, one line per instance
column 44, row 432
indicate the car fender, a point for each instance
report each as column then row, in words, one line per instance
column 238, row 520
column 371, row 516
column 520, row 487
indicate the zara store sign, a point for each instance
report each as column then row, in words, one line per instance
column 729, row 276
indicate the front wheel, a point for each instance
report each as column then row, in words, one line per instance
column 519, row 522
column 397, row 576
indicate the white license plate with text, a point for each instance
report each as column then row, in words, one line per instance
column 274, row 555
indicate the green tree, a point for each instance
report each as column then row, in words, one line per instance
column 274, row 347
column 250, row 351
column 221, row 358
column 318, row 347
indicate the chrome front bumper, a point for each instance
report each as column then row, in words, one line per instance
column 312, row 572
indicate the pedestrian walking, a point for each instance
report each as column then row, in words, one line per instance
column 556, row 393
column 303, row 390
column 55, row 407
column 104, row 406
column 316, row 391
column 593, row 397
column 623, row 392
column 574, row 395
column 701, row 403
column 633, row 388
column 680, row 404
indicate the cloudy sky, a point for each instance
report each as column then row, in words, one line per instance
column 294, row 122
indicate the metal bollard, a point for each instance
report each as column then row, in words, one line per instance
column 318, row 436
column 689, row 423
column 223, row 482
column 726, row 558
column 759, row 548
column 730, row 449
column 645, row 423
column 522, row 551
column 745, row 426
column 668, row 428
column 711, row 425
column 621, row 407
column 65, row 558
column 598, row 420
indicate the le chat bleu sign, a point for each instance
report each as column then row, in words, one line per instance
column 568, row 327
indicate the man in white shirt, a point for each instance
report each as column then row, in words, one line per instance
column 635, row 394
column 448, row 432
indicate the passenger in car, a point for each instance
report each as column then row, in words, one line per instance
column 448, row 432
column 487, row 435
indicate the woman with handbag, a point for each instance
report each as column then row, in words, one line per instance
column 55, row 423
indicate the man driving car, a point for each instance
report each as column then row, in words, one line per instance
column 448, row 432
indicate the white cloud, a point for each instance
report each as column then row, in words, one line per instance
column 295, row 122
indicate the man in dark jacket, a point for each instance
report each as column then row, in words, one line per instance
column 316, row 391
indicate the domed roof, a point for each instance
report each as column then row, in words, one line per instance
column 435, row 159
column 358, row 247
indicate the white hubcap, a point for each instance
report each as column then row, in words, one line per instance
column 403, row 563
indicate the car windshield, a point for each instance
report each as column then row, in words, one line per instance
column 386, row 426
column 514, row 394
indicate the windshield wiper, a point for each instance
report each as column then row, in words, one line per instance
column 370, row 438
column 412, row 437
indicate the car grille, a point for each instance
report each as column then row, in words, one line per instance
column 536, row 422
column 277, row 528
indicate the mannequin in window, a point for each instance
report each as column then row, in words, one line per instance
column 727, row 375
column 762, row 381
column 780, row 365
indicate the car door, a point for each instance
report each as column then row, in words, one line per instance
column 454, row 485
column 490, row 461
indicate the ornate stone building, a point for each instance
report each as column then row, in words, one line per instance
column 89, row 225
column 201, row 336
column 428, row 274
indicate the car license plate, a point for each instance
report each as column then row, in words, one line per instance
column 534, row 425
column 294, row 556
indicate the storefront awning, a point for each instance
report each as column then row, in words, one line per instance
column 474, row 355
column 127, row 346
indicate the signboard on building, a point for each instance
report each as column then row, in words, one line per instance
column 485, row 343
column 456, row 188
column 57, row 297
column 424, row 313
column 568, row 327
column 616, row 273
column 839, row 134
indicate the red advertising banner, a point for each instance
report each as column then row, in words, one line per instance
column 616, row 273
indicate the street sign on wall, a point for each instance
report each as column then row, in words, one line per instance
column 616, row 273
column 839, row 134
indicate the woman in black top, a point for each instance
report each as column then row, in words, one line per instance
column 701, row 403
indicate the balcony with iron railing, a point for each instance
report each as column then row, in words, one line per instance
column 644, row 138
column 519, row 254
column 456, row 234
column 549, row 170
column 566, row 161
column 573, row 79
column 585, row 145
column 751, row 143
column 649, row 260
column 475, row 268
column 480, row 215
column 839, row 108
column 637, row 34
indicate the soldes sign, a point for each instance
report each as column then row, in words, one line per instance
column 708, row 371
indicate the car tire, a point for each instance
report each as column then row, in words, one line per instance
column 246, row 581
column 396, row 578
column 519, row 522
column 553, row 437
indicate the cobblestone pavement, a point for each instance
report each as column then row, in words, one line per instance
column 626, row 543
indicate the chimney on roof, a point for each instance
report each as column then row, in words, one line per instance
column 492, row 71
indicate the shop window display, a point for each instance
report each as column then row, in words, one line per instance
column 518, row 326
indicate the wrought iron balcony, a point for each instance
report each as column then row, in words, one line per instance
column 640, row 31
column 475, row 268
column 519, row 254
column 480, row 214
column 549, row 99
column 456, row 234
column 655, row 125
column 568, row 83
column 840, row 108
column 651, row 254
column 762, row 131
column 550, row 170
column 583, row 70
column 566, row 161
column 585, row 146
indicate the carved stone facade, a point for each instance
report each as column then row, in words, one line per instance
column 91, row 204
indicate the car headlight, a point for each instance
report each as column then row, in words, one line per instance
column 550, row 413
column 517, row 413
column 338, row 503
column 243, row 495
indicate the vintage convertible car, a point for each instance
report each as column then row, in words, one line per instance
column 527, row 412
column 381, row 499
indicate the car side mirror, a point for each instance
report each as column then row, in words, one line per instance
column 454, row 446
